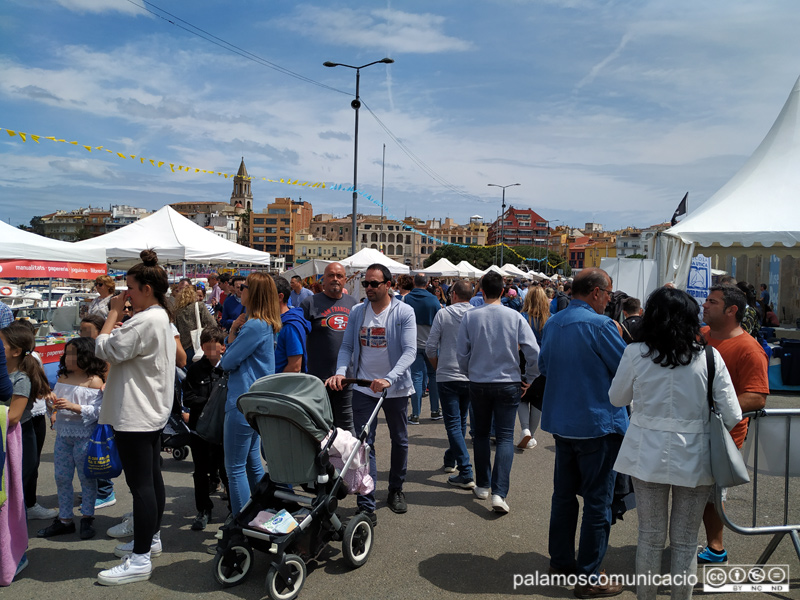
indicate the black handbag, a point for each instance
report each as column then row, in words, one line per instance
column 211, row 423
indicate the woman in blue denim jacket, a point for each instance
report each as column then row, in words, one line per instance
column 250, row 356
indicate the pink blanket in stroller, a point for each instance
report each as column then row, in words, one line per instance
column 357, row 478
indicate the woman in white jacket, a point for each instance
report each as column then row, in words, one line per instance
column 666, row 449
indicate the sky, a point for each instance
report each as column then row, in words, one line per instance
column 605, row 112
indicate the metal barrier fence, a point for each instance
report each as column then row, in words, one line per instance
column 772, row 448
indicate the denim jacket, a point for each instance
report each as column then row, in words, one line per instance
column 249, row 357
column 401, row 338
column 580, row 354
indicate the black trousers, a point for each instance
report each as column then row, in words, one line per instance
column 209, row 463
column 39, row 425
column 140, row 453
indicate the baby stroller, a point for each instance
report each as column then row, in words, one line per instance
column 292, row 413
column 176, row 437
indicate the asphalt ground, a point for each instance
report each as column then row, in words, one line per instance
column 448, row 544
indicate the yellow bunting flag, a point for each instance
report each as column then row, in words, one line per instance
column 11, row 133
column 121, row 155
column 22, row 135
column 35, row 138
column 88, row 148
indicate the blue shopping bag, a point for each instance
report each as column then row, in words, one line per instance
column 102, row 458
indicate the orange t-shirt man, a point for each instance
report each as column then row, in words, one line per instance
column 747, row 363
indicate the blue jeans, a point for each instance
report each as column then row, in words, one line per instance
column 498, row 401
column 454, row 396
column 242, row 446
column 419, row 368
column 584, row 467
column 395, row 410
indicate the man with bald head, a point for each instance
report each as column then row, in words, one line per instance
column 328, row 313
column 581, row 349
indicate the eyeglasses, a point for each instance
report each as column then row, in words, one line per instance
column 372, row 284
column 243, row 286
column 609, row 292
column 127, row 308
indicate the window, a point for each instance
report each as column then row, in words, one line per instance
column 391, row 249
column 399, row 249
column 258, row 221
column 258, row 230
column 258, row 238
column 422, row 250
column 408, row 240
column 373, row 237
column 276, row 211
column 271, row 238
column 383, row 237
column 271, row 221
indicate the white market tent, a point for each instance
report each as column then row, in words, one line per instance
column 466, row 270
column 368, row 256
column 311, row 268
column 176, row 239
column 441, row 268
column 758, row 207
column 17, row 244
column 514, row 270
column 497, row 269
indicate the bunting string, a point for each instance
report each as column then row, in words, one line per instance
column 334, row 187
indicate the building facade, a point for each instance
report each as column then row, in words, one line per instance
column 274, row 229
column 519, row 227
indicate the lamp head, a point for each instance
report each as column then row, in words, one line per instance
column 328, row 63
column 387, row 61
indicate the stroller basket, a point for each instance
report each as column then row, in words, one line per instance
column 292, row 414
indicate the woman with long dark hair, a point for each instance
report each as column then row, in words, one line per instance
column 665, row 379
column 136, row 403
column 250, row 356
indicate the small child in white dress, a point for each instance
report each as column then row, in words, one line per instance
column 77, row 397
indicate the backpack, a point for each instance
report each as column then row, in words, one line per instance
column 614, row 306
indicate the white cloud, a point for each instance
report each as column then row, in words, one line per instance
column 100, row 6
column 379, row 29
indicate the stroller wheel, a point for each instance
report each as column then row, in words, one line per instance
column 180, row 452
column 357, row 542
column 280, row 589
column 233, row 566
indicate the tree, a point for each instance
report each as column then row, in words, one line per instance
column 636, row 256
column 37, row 225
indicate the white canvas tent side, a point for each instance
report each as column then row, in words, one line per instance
column 756, row 209
column 176, row 239
column 441, row 268
column 497, row 269
column 17, row 244
column 367, row 256
column 313, row 267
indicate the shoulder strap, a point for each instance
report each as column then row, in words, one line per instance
column 197, row 315
column 711, row 374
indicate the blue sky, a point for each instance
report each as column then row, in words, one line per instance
column 602, row 111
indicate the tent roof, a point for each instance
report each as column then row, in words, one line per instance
column 465, row 269
column 24, row 245
column 759, row 204
column 514, row 270
column 175, row 238
column 441, row 268
column 367, row 256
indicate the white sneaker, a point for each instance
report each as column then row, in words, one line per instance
column 123, row 529
column 526, row 437
column 532, row 444
column 481, row 493
column 40, row 513
column 499, row 505
column 133, row 568
column 123, row 550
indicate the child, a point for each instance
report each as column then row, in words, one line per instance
column 78, row 396
column 208, row 458
column 29, row 382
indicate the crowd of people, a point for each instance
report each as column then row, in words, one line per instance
column 622, row 398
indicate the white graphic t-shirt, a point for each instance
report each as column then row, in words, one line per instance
column 374, row 360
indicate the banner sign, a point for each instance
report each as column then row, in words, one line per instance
column 699, row 278
column 50, row 353
column 46, row 268
column 774, row 281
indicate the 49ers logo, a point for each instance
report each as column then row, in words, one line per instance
column 336, row 322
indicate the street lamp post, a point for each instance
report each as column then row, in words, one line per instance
column 502, row 216
column 356, row 104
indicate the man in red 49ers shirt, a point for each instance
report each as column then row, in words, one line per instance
column 328, row 313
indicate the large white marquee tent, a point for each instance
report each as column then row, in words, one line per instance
column 176, row 239
column 757, row 208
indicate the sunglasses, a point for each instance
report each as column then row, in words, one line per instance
column 98, row 285
column 372, row 284
column 244, row 286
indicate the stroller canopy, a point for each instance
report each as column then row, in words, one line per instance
column 298, row 397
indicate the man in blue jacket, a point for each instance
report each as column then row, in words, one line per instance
column 290, row 349
column 425, row 307
column 232, row 307
column 379, row 344
column 581, row 349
